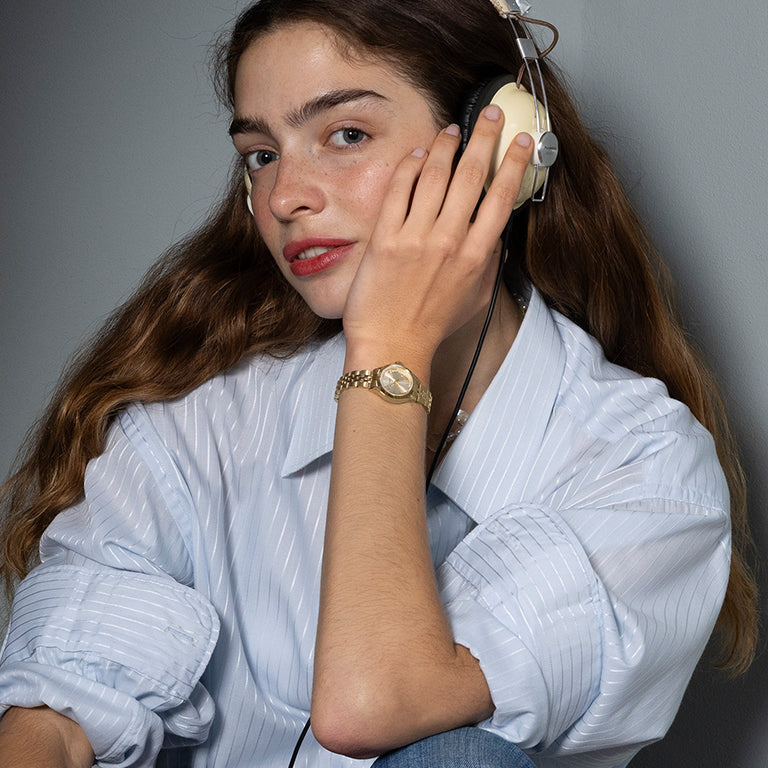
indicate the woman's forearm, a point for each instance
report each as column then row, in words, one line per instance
column 387, row 671
column 42, row 738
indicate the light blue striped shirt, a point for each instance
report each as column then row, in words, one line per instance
column 579, row 525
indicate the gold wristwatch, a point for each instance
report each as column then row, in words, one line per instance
column 393, row 382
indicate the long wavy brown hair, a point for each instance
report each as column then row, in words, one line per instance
column 217, row 296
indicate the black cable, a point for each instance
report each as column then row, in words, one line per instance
column 465, row 385
column 298, row 744
column 478, row 348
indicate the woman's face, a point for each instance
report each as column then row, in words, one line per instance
column 321, row 135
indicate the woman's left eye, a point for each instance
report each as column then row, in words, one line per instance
column 346, row 137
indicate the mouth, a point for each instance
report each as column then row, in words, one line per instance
column 311, row 255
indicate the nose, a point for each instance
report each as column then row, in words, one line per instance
column 296, row 190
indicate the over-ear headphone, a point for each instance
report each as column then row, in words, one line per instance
column 521, row 113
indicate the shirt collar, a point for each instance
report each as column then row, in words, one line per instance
column 313, row 417
column 491, row 459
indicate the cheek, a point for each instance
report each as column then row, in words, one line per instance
column 364, row 187
column 265, row 222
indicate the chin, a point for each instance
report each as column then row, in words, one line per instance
column 326, row 310
column 325, row 306
column 329, row 315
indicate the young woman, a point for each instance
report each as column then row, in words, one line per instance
column 223, row 549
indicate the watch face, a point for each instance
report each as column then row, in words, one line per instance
column 396, row 380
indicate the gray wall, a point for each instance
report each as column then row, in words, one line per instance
column 112, row 147
column 679, row 93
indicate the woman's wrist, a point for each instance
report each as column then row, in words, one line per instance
column 375, row 354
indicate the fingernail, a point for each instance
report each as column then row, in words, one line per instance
column 523, row 139
column 453, row 130
column 419, row 152
column 492, row 112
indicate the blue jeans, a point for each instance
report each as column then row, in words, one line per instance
column 462, row 748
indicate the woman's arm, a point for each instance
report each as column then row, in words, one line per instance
column 42, row 738
column 387, row 671
column 126, row 675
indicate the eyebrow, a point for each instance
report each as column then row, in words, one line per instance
column 303, row 114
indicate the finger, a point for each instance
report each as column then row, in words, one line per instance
column 472, row 170
column 500, row 199
column 397, row 198
column 435, row 177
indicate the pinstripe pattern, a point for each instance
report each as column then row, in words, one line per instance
column 578, row 523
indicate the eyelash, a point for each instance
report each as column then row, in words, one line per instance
column 252, row 162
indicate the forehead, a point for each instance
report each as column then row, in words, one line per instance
column 302, row 59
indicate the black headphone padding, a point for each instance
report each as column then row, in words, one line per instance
column 476, row 101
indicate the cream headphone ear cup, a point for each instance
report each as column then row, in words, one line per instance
column 248, row 188
column 520, row 114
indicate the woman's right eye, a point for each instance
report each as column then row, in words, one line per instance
column 259, row 158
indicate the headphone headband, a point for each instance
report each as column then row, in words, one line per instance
column 546, row 145
column 503, row 9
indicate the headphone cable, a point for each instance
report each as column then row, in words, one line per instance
column 478, row 348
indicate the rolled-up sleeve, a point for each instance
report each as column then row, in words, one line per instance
column 104, row 630
column 119, row 653
column 588, row 622
column 533, row 620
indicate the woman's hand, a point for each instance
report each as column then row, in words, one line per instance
column 428, row 266
column 42, row 738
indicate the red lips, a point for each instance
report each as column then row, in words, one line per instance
column 334, row 249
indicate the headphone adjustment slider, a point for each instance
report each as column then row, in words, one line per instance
column 527, row 48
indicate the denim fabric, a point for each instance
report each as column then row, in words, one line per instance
column 462, row 748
